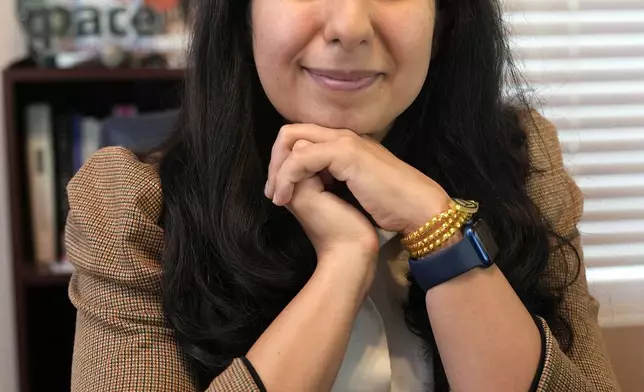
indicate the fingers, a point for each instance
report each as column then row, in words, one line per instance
column 306, row 160
column 302, row 194
column 286, row 139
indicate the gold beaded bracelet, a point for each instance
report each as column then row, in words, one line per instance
column 421, row 242
column 428, row 245
column 443, row 233
column 420, row 233
column 456, row 206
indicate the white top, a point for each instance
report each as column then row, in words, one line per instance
column 383, row 355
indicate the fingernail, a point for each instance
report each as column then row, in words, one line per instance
column 276, row 199
column 266, row 190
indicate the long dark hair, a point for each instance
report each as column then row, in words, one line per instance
column 232, row 261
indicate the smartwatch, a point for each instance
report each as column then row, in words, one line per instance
column 477, row 249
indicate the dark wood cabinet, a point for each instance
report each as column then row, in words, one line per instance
column 45, row 317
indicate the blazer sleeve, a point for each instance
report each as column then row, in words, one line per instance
column 585, row 367
column 113, row 238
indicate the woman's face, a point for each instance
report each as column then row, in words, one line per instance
column 354, row 64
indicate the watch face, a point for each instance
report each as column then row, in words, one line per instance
column 469, row 206
column 484, row 241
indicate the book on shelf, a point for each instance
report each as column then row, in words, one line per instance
column 58, row 144
column 42, row 188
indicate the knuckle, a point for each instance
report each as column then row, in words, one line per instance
column 297, row 156
column 349, row 143
column 287, row 131
column 300, row 144
column 283, row 134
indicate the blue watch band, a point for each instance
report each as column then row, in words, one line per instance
column 476, row 249
column 445, row 264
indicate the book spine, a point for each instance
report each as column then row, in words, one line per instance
column 64, row 172
column 90, row 137
column 41, row 174
column 77, row 146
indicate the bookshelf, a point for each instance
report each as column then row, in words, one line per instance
column 45, row 318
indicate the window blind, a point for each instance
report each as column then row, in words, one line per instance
column 585, row 59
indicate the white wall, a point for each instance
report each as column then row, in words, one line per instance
column 11, row 48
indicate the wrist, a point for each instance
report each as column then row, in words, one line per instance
column 424, row 213
column 352, row 272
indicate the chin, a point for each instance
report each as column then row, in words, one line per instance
column 361, row 125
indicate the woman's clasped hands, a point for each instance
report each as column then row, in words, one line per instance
column 397, row 196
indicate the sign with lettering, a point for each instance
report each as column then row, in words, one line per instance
column 57, row 27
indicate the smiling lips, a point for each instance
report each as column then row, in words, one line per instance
column 343, row 80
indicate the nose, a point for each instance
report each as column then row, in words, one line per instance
column 348, row 23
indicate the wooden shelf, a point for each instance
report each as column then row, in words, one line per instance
column 33, row 276
column 44, row 75
column 45, row 318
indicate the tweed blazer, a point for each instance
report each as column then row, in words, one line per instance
column 123, row 342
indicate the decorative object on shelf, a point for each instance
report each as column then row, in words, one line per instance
column 110, row 33
column 113, row 56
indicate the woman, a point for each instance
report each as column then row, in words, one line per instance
column 254, row 251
